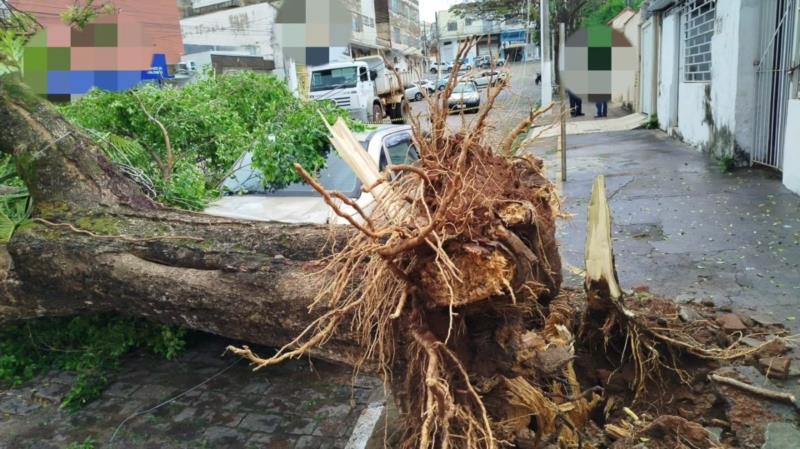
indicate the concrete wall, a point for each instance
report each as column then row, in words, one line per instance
column 791, row 155
column 669, row 72
column 692, row 124
column 719, row 116
column 245, row 27
column 735, row 47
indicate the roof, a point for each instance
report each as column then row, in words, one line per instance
column 627, row 9
column 660, row 5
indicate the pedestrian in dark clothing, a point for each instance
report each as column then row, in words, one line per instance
column 602, row 108
column 575, row 104
column 538, row 79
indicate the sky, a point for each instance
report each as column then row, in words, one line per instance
column 428, row 8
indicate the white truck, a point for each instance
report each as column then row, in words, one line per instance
column 364, row 86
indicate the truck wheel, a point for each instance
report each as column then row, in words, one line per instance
column 377, row 113
column 399, row 112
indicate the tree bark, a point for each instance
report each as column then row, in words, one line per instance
column 96, row 243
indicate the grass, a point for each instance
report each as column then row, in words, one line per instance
column 88, row 443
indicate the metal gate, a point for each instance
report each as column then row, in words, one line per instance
column 773, row 81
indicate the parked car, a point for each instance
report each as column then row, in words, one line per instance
column 485, row 62
column 490, row 78
column 427, row 84
column 441, row 67
column 416, row 90
column 465, row 96
column 465, row 65
column 246, row 198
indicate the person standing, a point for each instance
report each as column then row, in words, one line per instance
column 602, row 109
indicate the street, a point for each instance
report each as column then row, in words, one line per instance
column 512, row 105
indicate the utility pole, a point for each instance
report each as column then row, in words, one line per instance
column 546, row 65
column 564, row 109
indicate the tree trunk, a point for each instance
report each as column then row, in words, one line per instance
column 96, row 243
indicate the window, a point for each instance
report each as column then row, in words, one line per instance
column 468, row 22
column 452, row 26
column 395, row 5
column 358, row 23
column 698, row 29
column 396, row 35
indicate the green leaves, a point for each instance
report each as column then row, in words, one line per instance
column 7, row 227
column 12, row 47
column 211, row 123
column 90, row 346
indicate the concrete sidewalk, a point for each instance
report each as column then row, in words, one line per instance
column 682, row 227
column 590, row 126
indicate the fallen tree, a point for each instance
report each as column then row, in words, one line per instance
column 450, row 288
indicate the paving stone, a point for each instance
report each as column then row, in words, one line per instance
column 19, row 406
column 299, row 426
column 156, row 393
column 271, row 441
column 52, row 392
column 224, row 437
column 731, row 322
column 121, row 389
column 764, row 319
column 689, row 314
column 308, row 442
column 782, row 435
column 260, row 423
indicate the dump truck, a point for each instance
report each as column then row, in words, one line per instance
column 365, row 87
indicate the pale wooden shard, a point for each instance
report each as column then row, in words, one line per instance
column 601, row 274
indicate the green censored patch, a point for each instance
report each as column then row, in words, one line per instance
column 599, row 62
column 105, row 35
column 58, row 58
column 599, row 58
column 599, row 36
column 35, row 59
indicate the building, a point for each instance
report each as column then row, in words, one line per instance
column 507, row 39
column 400, row 33
column 628, row 22
column 140, row 42
column 723, row 76
column 245, row 30
column 240, row 33
column 364, row 41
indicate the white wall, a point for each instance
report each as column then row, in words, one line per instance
column 735, row 47
column 791, row 152
column 669, row 72
column 247, row 26
column 691, row 114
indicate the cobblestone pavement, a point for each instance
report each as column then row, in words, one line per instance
column 297, row 405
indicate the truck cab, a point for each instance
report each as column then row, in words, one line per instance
column 364, row 87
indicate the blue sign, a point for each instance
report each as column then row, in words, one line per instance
column 158, row 68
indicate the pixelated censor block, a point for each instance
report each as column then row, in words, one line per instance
column 112, row 53
column 598, row 62
column 308, row 29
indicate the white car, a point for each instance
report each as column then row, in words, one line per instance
column 465, row 96
column 415, row 91
column 489, row 78
column 247, row 199
column 441, row 67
